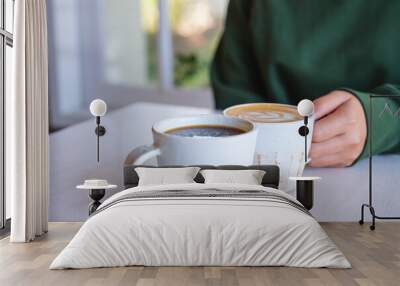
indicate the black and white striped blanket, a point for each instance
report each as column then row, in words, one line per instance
column 205, row 194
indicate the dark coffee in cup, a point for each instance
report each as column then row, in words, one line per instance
column 205, row 131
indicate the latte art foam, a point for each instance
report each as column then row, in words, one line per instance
column 265, row 112
column 268, row 116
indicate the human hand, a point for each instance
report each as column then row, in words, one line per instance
column 340, row 130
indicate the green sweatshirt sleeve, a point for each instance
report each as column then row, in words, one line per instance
column 385, row 119
column 234, row 75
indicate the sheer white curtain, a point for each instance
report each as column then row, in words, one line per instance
column 27, row 124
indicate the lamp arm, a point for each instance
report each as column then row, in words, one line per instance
column 98, row 138
column 305, row 150
column 305, row 139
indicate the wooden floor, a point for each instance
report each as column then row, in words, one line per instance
column 375, row 257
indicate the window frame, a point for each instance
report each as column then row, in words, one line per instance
column 6, row 39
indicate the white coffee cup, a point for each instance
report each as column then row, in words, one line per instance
column 172, row 149
column 279, row 143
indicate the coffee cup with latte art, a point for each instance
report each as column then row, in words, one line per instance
column 278, row 140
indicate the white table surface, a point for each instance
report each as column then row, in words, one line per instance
column 85, row 187
column 302, row 178
column 338, row 195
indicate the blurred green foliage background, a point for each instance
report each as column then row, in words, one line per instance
column 196, row 26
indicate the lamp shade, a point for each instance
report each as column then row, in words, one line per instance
column 305, row 107
column 98, row 107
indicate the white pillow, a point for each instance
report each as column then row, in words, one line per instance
column 248, row 177
column 163, row 176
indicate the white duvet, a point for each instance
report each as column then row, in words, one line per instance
column 200, row 231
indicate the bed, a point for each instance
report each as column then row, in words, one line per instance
column 198, row 224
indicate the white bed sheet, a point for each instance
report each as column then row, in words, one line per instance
column 200, row 231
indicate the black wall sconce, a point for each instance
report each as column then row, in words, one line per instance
column 98, row 108
column 305, row 108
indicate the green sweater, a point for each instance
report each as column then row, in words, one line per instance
column 286, row 50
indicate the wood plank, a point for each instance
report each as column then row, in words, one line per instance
column 375, row 257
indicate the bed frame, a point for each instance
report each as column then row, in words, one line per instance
column 270, row 179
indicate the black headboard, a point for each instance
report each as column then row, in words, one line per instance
column 271, row 177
